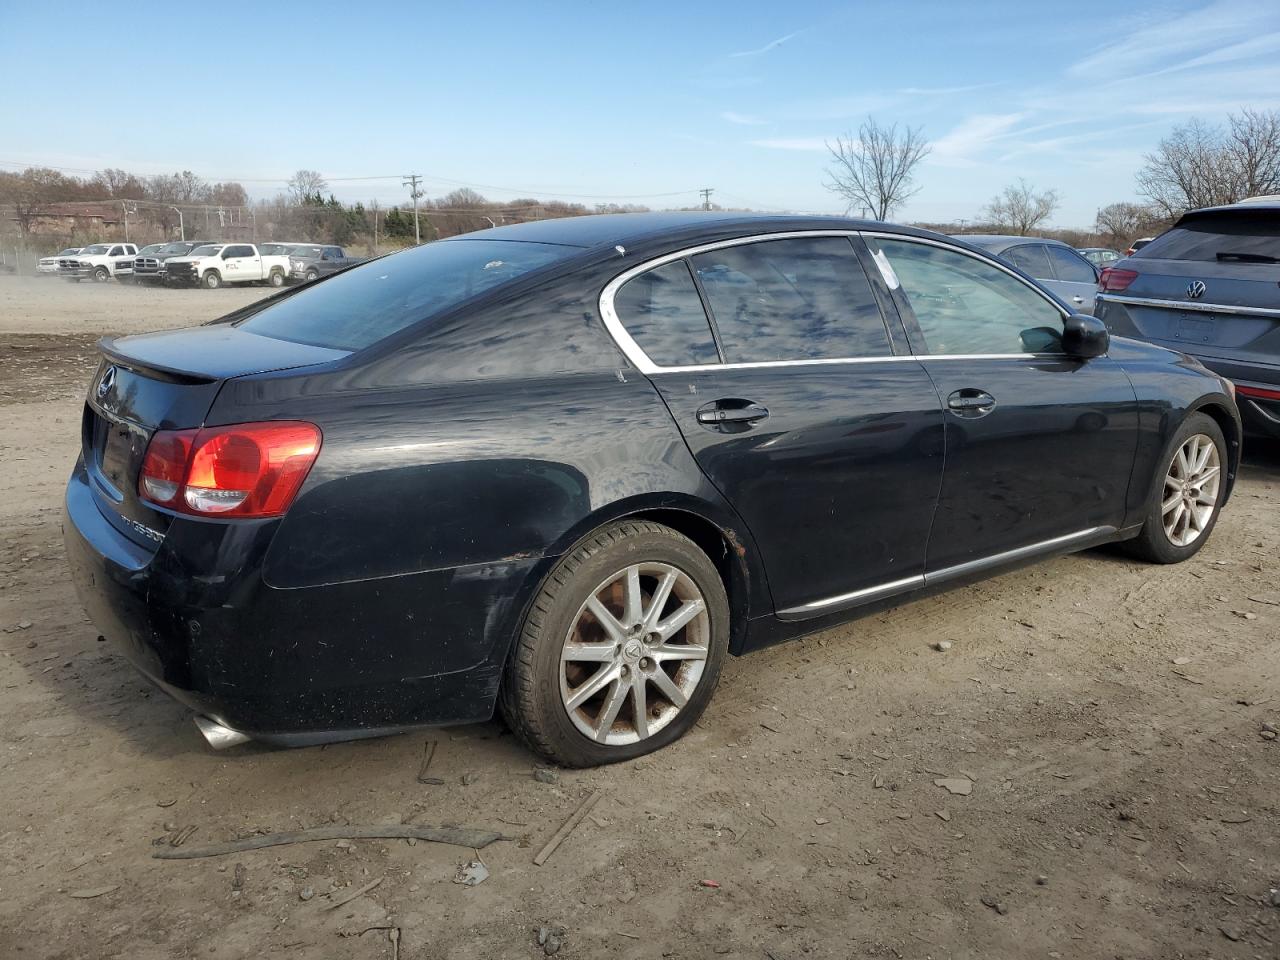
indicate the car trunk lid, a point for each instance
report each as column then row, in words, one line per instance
column 165, row 381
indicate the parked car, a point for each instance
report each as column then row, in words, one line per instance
column 150, row 264
column 1210, row 287
column 214, row 264
column 1099, row 256
column 277, row 247
column 309, row 261
column 99, row 261
column 50, row 264
column 567, row 466
column 1055, row 264
column 1137, row 245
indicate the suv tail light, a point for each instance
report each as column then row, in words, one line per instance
column 1113, row 279
column 239, row 470
column 1259, row 393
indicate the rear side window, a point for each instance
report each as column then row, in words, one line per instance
column 662, row 312
column 1225, row 238
column 968, row 306
column 360, row 306
column 1071, row 267
column 799, row 299
column 1030, row 258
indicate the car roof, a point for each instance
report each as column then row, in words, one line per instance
column 996, row 242
column 626, row 228
column 1254, row 205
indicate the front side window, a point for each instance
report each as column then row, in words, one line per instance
column 117, row 252
column 368, row 303
column 965, row 305
column 1070, row 266
column 797, row 299
column 661, row 310
column 232, row 252
column 1030, row 258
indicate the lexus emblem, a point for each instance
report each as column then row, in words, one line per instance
column 106, row 383
column 1195, row 290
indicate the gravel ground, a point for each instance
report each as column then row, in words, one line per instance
column 1107, row 719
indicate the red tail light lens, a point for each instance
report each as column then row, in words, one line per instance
column 1258, row 392
column 1114, row 279
column 239, row 470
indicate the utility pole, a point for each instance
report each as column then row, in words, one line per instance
column 706, row 197
column 124, row 208
column 182, row 231
column 411, row 181
column 375, row 226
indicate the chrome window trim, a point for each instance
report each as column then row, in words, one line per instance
column 883, row 590
column 640, row 360
column 1191, row 306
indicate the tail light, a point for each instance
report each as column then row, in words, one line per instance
column 1258, row 393
column 239, row 470
column 1113, row 279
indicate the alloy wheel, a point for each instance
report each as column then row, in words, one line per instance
column 635, row 653
column 1191, row 490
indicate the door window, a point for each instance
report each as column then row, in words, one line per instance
column 240, row 251
column 663, row 313
column 1071, row 267
column 798, row 299
column 116, row 252
column 965, row 305
column 1030, row 258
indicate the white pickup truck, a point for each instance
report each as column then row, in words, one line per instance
column 217, row 263
column 101, row 261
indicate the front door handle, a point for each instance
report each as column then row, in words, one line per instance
column 971, row 402
column 1077, row 299
column 731, row 411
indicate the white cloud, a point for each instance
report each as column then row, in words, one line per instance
column 742, row 119
column 771, row 45
column 959, row 145
column 793, row 143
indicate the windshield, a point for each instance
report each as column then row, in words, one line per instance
column 69, row 251
column 1219, row 237
column 365, row 304
column 151, row 248
column 208, row 250
column 95, row 248
column 274, row 249
column 304, row 252
column 173, row 249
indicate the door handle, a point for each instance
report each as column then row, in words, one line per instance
column 971, row 402
column 731, row 410
column 1077, row 299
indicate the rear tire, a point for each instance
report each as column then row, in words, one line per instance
column 1186, row 494
column 212, row 280
column 586, row 689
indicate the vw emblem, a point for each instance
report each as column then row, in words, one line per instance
column 106, row 383
column 1195, row 290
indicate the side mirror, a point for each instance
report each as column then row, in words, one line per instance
column 1084, row 336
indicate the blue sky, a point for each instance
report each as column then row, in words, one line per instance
column 629, row 102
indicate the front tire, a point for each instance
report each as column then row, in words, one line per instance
column 621, row 649
column 1187, row 493
column 312, row 275
column 276, row 279
column 102, row 275
column 212, row 280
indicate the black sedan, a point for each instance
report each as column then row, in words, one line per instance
column 563, row 468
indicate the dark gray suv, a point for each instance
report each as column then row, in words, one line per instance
column 1210, row 287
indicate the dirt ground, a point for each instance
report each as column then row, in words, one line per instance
column 1109, row 715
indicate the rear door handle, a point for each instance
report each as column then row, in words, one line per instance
column 971, row 402
column 1077, row 299
column 731, row 410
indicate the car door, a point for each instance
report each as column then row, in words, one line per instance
column 1077, row 278
column 775, row 360
column 1039, row 445
column 331, row 260
column 241, row 263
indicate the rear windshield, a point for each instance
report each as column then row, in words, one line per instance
column 1223, row 238
column 365, row 304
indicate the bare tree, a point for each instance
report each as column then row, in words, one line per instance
column 1199, row 165
column 33, row 191
column 876, row 169
column 306, row 183
column 1020, row 209
column 1121, row 222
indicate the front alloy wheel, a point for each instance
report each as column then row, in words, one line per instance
column 1191, row 490
column 621, row 648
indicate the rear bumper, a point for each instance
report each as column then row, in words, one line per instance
column 293, row 666
column 1260, row 416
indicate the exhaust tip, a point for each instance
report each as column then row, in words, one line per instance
column 220, row 737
